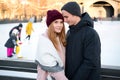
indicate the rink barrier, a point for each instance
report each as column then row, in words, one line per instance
column 110, row 72
column 107, row 72
column 17, row 66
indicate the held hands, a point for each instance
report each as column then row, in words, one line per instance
column 18, row 43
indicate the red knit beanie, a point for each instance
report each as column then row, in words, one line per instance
column 53, row 15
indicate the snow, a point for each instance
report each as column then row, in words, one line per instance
column 108, row 31
column 110, row 42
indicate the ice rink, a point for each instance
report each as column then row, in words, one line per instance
column 109, row 32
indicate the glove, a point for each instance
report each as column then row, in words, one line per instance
column 16, row 44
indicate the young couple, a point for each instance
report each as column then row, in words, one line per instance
column 75, row 57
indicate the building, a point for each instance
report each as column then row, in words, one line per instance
column 24, row 9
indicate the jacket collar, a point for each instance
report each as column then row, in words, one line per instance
column 85, row 21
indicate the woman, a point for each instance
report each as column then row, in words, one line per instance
column 51, row 49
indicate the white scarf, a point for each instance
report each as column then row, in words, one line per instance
column 46, row 53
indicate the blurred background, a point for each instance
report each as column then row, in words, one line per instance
column 22, row 10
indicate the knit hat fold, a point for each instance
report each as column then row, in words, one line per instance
column 53, row 15
column 73, row 8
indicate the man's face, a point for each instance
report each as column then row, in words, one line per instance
column 68, row 18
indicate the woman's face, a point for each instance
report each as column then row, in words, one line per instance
column 58, row 25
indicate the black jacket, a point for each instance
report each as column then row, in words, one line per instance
column 11, row 42
column 83, row 51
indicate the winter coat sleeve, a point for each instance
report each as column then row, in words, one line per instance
column 91, row 55
column 14, row 40
column 43, row 75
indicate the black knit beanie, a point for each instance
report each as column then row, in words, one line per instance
column 20, row 25
column 73, row 8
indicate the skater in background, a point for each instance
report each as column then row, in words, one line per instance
column 19, row 28
column 11, row 43
column 29, row 28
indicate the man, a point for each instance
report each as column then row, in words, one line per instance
column 83, row 45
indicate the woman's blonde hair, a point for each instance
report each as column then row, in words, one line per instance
column 52, row 36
